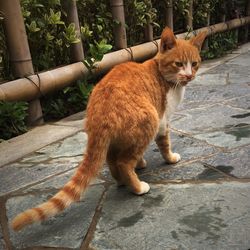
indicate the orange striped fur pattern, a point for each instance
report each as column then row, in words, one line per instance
column 128, row 109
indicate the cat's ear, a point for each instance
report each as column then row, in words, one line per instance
column 168, row 40
column 198, row 40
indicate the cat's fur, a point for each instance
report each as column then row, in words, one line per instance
column 127, row 109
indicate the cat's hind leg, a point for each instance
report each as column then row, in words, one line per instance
column 112, row 164
column 141, row 164
column 130, row 178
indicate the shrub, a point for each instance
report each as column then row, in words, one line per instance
column 12, row 119
column 50, row 38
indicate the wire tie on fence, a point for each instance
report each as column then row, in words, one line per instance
column 211, row 29
column 130, row 51
column 39, row 83
column 156, row 44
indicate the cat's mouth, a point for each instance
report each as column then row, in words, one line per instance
column 185, row 81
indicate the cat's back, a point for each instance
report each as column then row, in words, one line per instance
column 123, row 74
column 126, row 91
column 125, row 81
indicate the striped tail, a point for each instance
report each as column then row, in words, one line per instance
column 92, row 162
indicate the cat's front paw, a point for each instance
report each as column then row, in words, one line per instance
column 173, row 158
column 144, row 188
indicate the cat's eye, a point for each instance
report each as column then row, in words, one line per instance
column 194, row 64
column 179, row 64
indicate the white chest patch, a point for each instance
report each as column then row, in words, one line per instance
column 174, row 98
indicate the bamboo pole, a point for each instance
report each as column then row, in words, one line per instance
column 205, row 44
column 148, row 33
column 190, row 15
column 120, row 37
column 76, row 49
column 247, row 12
column 61, row 77
column 223, row 11
column 18, row 48
column 148, row 29
column 169, row 14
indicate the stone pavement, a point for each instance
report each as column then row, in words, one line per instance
column 203, row 202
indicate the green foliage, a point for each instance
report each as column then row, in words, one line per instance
column 143, row 14
column 220, row 44
column 74, row 98
column 49, row 36
column 97, row 24
column 12, row 119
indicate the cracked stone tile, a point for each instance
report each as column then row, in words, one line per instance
column 210, row 79
column 188, row 148
column 235, row 70
column 35, row 158
column 190, row 171
column 55, row 183
column 2, row 245
column 199, row 216
column 215, row 118
column 71, row 146
column 242, row 60
column 14, row 177
column 241, row 102
column 199, row 96
column 40, row 136
column 235, row 163
column 234, row 137
column 66, row 230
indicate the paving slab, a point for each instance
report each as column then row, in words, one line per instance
column 72, row 146
column 2, row 245
column 53, row 184
column 43, row 163
column 235, row 163
column 190, row 149
column 240, row 102
column 230, row 138
column 199, row 96
column 235, row 69
column 188, row 216
column 19, row 175
column 216, row 79
column 35, row 139
column 67, row 230
column 181, row 172
column 215, row 118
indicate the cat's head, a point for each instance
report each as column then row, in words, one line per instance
column 179, row 59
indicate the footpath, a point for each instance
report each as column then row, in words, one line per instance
column 202, row 203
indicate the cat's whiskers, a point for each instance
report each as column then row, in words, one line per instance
column 177, row 84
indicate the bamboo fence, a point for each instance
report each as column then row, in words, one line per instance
column 32, row 86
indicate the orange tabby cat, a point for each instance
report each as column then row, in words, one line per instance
column 127, row 109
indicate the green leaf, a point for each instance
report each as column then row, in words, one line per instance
column 49, row 37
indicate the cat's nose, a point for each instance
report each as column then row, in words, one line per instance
column 189, row 77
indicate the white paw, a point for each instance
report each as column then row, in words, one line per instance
column 144, row 188
column 177, row 157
